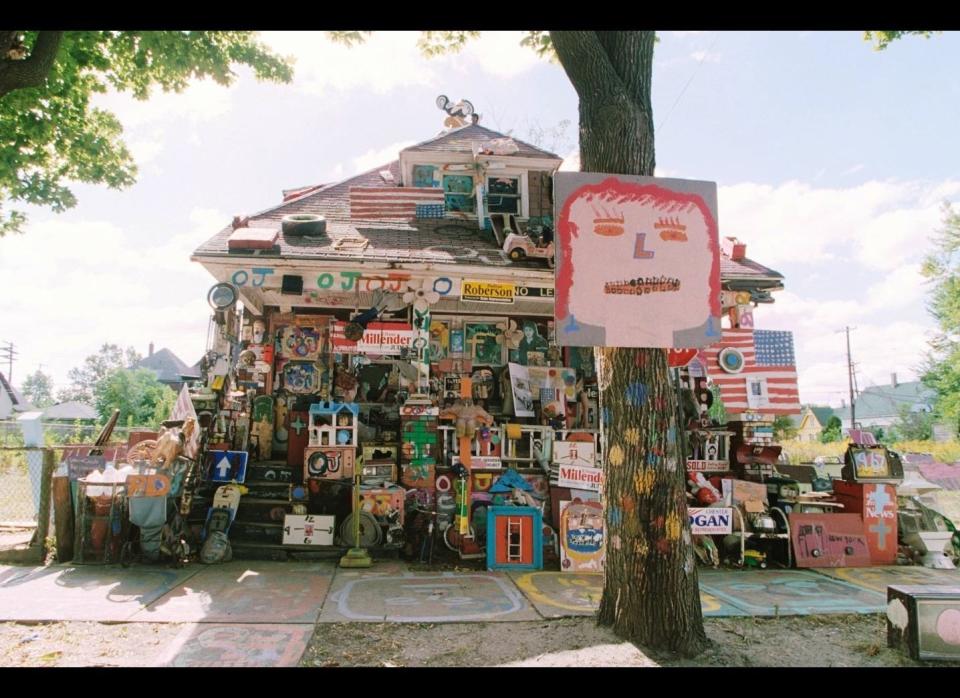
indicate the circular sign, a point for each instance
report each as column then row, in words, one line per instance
column 317, row 464
column 443, row 483
column 731, row 360
column 221, row 296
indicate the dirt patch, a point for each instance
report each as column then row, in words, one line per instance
column 808, row 641
column 84, row 644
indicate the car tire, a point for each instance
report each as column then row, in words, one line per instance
column 304, row 224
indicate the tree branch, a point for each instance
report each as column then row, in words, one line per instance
column 585, row 61
column 30, row 72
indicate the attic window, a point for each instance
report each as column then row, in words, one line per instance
column 503, row 194
column 458, row 193
column 423, row 176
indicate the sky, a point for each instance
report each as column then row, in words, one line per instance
column 832, row 161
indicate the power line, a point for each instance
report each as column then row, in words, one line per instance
column 695, row 71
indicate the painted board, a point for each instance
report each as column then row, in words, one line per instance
column 829, row 540
column 638, row 261
column 330, row 462
column 580, row 453
column 308, row 529
column 581, row 536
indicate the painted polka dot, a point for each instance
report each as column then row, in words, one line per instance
column 616, row 455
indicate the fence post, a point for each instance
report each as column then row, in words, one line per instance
column 43, row 517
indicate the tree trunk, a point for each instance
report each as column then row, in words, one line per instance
column 17, row 73
column 651, row 592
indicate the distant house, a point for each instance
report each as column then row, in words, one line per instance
column 880, row 405
column 168, row 367
column 811, row 423
column 11, row 400
column 72, row 411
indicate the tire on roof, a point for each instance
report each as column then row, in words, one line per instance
column 304, row 224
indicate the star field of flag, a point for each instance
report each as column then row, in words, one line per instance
column 774, row 348
column 767, row 354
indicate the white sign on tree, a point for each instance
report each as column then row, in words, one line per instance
column 638, row 261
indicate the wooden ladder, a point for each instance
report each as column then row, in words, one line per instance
column 514, row 539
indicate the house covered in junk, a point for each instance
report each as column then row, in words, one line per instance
column 399, row 326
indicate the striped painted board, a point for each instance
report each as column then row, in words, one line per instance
column 391, row 203
column 769, row 372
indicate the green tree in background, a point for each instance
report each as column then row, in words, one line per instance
column 942, row 369
column 783, row 428
column 50, row 134
column 38, row 389
column 95, row 368
column 832, row 430
column 911, row 425
column 140, row 397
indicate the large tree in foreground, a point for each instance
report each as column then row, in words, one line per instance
column 651, row 593
column 49, row 133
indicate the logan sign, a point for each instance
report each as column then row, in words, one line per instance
column 580, row 478
column 711, row 520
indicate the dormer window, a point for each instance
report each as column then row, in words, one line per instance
column 458, row 193
column 503, row 194
column 424, row 176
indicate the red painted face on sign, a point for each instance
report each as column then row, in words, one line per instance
column 640, row 266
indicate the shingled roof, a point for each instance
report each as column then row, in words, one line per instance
column 440, row 241
column 461, row 140
column 168, row 367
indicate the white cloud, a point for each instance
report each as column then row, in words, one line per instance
column 705, row 57
column 883, row 224
column 75, row 285
column 571, row 163
column 501, row 55
column 379, row 156
column 202, row 101
column 385, row 61
column 855, row 168
column 390, row 59
column 880, row 346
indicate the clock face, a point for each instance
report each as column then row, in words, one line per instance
column 222, row 296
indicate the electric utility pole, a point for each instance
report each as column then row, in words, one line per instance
column 8, row 352
column 850, row 378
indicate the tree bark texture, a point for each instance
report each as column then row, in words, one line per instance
column 17, row 73
column 651, row 591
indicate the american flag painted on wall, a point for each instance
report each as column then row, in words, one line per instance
column 391, row 203
column 767, row 354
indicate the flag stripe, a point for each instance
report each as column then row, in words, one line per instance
column 767, row 354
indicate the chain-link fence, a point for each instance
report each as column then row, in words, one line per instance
column 25, row 502
column 25, row 482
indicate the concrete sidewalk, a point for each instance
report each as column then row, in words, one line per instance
column 257, row 613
